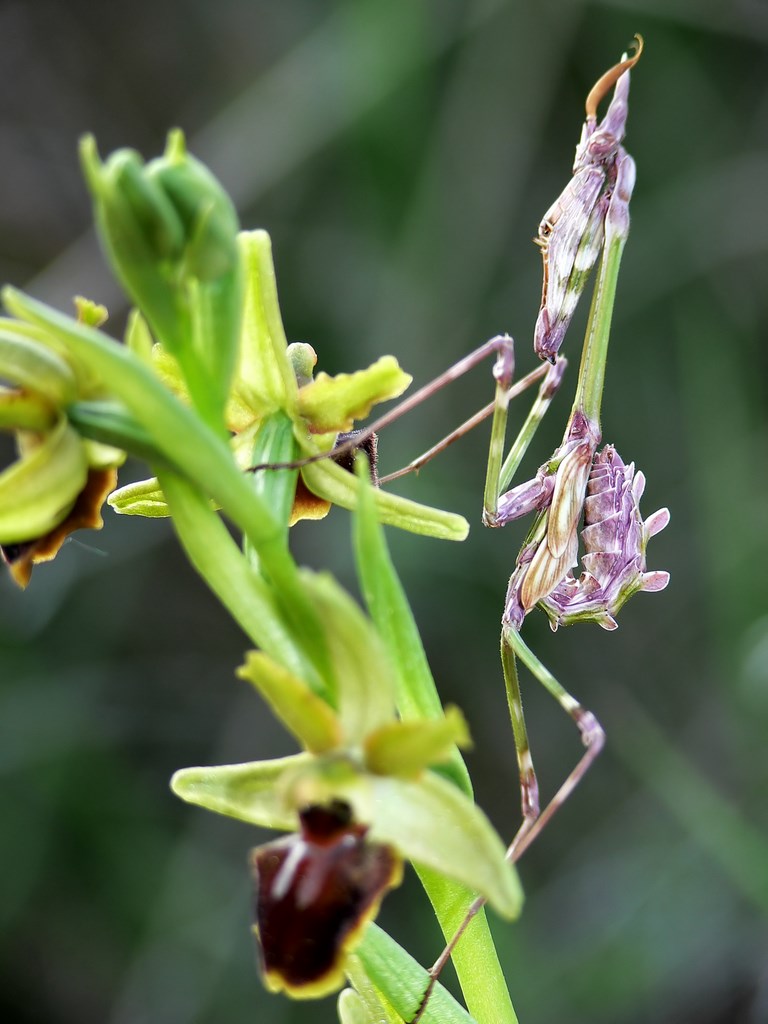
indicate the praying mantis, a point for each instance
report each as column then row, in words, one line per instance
column 587, row 224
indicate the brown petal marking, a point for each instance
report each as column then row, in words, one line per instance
column 84, row 515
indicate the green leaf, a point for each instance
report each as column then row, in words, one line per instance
column 110, row 424
column 364, row 1004
column 311, row 720
column 432, row 823
column 251, row 792
column 240, row 588
column 333, row 403
column 416, row 695
column 404, row 981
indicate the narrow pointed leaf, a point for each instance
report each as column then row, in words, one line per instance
column 403, row 980
column 416, row 695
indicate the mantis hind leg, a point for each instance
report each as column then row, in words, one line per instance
column 592, row 736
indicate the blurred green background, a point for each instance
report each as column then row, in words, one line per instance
column 401, row 154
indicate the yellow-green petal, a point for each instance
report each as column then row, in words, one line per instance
column 406, row 748
column 311, row 720
column 363, row 676
column 333, row 403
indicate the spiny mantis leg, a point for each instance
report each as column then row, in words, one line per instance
column 500, row 344
column 479, row 417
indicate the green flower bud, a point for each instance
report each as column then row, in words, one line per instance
column 170, row 231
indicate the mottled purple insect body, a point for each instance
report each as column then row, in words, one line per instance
column 615, row 538
column 571, row 233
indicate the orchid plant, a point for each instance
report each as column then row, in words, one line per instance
column 233, row 423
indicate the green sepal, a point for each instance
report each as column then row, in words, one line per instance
column 333, row 403
column 253, row 792
column 39, row 489
column 264, row 378
column 433, row 823
column 362, row 674
column 405, row 749
column 328, row 480
column 311, row 720
column 427, row 820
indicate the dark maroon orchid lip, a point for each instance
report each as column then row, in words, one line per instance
column 315, row 890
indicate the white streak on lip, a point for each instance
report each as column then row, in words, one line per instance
column 285, row 875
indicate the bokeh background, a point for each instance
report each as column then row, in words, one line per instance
column 401, row 154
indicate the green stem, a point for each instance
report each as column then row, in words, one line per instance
column 589, row 390
column 226, row 570
column 109, row 423
column 496, row 448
